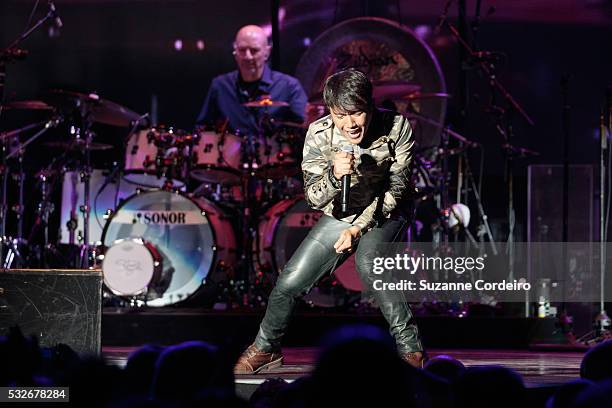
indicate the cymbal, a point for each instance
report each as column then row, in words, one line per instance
column 393, row 90
column 426, row 95
column 265, row 103
column 381, row 90
column 78, row 144
column 28, row 105
column 290, row 124
column 99, row 110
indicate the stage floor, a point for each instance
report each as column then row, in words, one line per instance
column 537, row 368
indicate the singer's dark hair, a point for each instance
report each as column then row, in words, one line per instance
column 348, row 90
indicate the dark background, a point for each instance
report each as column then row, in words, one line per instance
column 124, row 50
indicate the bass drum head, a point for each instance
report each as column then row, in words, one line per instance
column 128, row 267
column 284, row 228
column 181, row 230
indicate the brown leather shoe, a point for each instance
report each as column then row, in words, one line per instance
column 416, row 359
column 253, row 361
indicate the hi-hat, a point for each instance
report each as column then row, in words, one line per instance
column 265, row 103
column 93, row 107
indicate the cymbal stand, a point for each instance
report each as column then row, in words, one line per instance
column 484, row 219
column 487, row 67
column 248, row 229
column 11, row 54
column 86, row 207
column 19, row 152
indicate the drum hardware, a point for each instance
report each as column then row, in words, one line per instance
column 18, row 151
column 488, row 68
column 10, row 54
column 156, row 157
column 77, row 145
column 193, row 238
column 44, row 210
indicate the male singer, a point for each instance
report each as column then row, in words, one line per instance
column 381, row 144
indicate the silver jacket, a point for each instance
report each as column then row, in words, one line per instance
column 381, row 181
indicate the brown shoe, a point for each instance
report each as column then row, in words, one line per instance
column 253, row 361
column 416, row 359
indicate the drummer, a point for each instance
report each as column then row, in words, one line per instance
column 252, row 81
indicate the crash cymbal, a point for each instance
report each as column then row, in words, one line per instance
column 265, row 103
column 78, row 145
column 28, row 105
column 95, row 108
column 426, row 95
column 381, row 91
column 392, row 90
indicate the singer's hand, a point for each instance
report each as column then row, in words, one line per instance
column 343, row 164
column 347, row 238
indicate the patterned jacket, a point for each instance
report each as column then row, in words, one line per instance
column 381, row 182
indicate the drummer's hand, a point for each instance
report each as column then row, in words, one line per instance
column 343, row 164
column 347, row 238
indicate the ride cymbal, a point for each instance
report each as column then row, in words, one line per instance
column 93, row 107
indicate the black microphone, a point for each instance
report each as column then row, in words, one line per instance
column 346, row 184
column 56, row 22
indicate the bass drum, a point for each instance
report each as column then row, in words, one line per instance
column 192, row 236
column 282, row 230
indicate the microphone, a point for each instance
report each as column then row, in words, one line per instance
column 56, row 22
column 346, row 184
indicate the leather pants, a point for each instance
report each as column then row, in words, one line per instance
column 316, row 257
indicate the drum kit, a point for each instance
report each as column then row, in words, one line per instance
column 180, row 209
column 163, row 220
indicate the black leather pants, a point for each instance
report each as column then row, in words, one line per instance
column 316, row 257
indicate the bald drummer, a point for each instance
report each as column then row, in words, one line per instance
column 250, row 82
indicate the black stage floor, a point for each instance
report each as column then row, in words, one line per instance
column 482, row 340
column 542, row 372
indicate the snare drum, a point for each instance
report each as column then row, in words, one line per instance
column 131, row 266
column 142, row 150
column 217, row 158
column 192, row 236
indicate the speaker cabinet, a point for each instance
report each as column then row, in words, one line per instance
column 55, row 306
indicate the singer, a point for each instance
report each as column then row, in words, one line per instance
column 370, row 149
